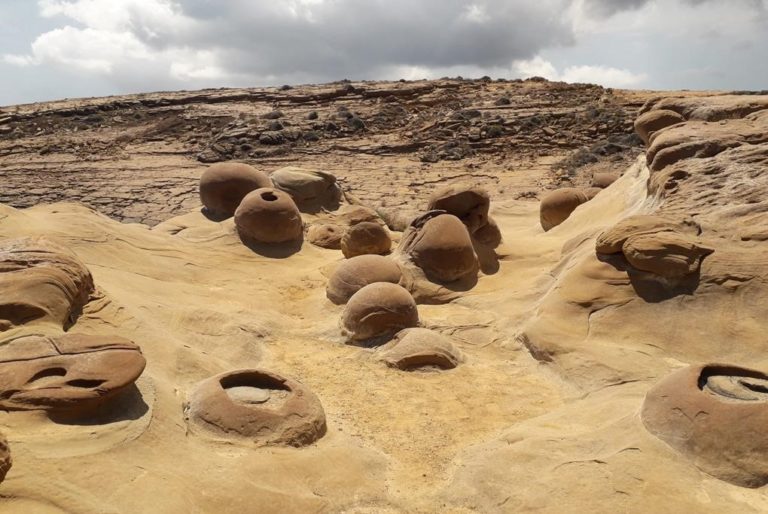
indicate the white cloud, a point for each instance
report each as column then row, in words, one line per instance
column 603, row 75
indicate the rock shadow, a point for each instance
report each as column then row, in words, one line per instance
column 127, row 405
column 273, row 250
column 651, row 287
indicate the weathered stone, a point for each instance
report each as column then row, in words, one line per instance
column 5, row 457
column 357, row 272
column 268, row 215
column 257, row 407
column 311, row 190
column 415, row 348
column 646, row 125
column 558, row 205
column 378, row 310
column 68, row 372
column 326, row 235
column 42, row 282
column 224, row 185
column 667, row 254
column 603, row 180
column 469, row 204
column 365, row 238
column 716, row 416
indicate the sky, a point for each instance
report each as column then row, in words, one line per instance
column 53, row 49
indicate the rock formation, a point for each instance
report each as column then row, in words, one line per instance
column 224, row 185
column 311, row 190
column 378, row 310
column 326, row 235
column 603, row 180
column 257, row 407
column 415, row 348
column 440, row 245
column 558, row 205
column 651, row 122
column 68, row 372
column 716, row 416
column 365, row 238
column 268, row 215
column 357, row 272
column 40, row 282
column 469, row 204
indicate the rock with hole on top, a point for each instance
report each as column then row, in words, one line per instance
column 558, row 205
column 355, row 273
column 415, row 348
column 312, row 190
column 440, row 245
column 647, row 124
column 469, row 204
column 268, row 215
column 41, row 282
column 715, row 415
column 365, row 238
column 256, row 407
column 68, row 372
column 224, row 185
column 378, row 310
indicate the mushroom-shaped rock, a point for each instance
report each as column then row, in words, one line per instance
column 469, row 204
column 325, row 235
column 716, row 416
column 5, row 457
column 558, row 205
column 67, row 372
column 224, row 185
column 257, row 407
column 355, row 273
column 667, row 254
column 365, row 238
column 415, row 348
column 613, row 239
column 652, row 121
column 268, row 215
column 378, row 310
column 311, row 190
column 603, row 180
column 441, row 246
column 40, row 281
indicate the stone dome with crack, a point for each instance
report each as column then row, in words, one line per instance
column 365, row 238
column 357, row 272
column 417, row 348
column 268, row 215
column 378, row 310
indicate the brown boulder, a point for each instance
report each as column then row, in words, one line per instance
column 489, row 234
column 415, row 348
column 224, row 185
column 325, row 235
column 646, row 125
column 558, row 205
column 613, row 239
column 716, row 416
column 311, row 190
column 268, row 215
column 365, row 238
column 42, row 282
column 256, row 406
column 469, row 204
column 355, row 273
column 441, row 246
column 603, row 180
column 378, row 310
column 66, row 372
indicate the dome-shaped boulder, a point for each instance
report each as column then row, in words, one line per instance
column 268, row 215
column 311, row 190
column 224, row 185
column 365, row 238
column 378, row 310
column 557, row 206
column 415, row 348
column 355, row 273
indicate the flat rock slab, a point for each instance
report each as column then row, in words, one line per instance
column 66, row 372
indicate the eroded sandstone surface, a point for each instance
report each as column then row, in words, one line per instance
column 612, row 363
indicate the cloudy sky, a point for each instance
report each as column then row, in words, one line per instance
column 52, row 49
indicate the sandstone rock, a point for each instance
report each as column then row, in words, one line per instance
column 67, row 372
column 666, row 254
column 42, row 282
column 5, row 457
column 716, row 416
column 311, row 190
column 441, row 246
column 258, row 407
column 357, row 272
column 613, row 239
column 603, row 180
column 646, row 125
column 558, row 205
column 268, row 215
column 469, row 204
column 378, row 310
column 326, row 235
column 591, row 192
column 489, row 234
column 365, row 238
column 353, row 214
column 415, row 348
column 224, row 185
